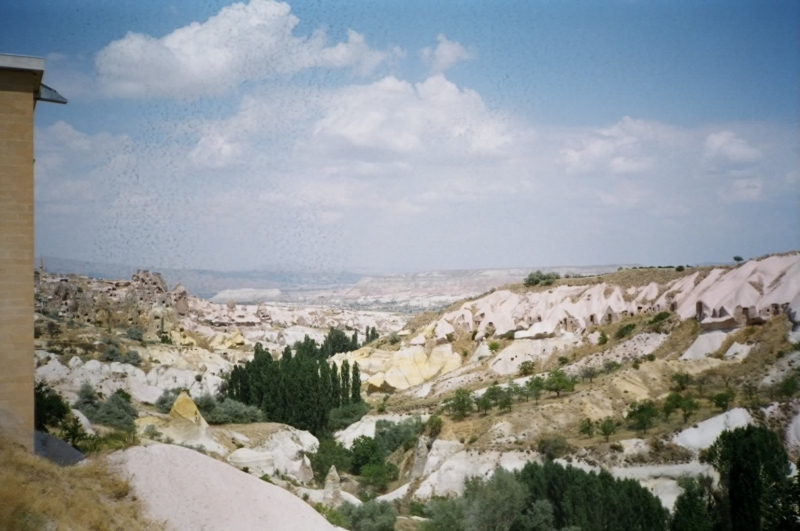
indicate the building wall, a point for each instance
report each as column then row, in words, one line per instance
column 16, row 255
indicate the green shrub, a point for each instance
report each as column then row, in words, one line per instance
column 329, row 453
column 624, row 331
column 659, row 318
column 494, row 346
column 377, row 476
column 123, row 394
column 132, row 357
column 167, row 399
column 116, row 413
column 610, row 366
column 135, row 333
column 603, row 339
column 394, row 338
column 434, row 426
column 553, row 448
column 111, row 353
column 365, row 450
column 680, row 268
column 151, row 432
column 371, row 516
column 87, row 401
column 115, row 440
column 230, row 411
column 526, row 368
column 331, row 515
column 607, row 427
column 391, row 435
column 342, row 417
column 537, row 277
column 49, row 409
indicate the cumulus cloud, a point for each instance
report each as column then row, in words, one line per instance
column 242, row 42
column 394, row 116
column 725, row 146
column 446, row 54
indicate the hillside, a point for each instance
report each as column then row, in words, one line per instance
column 522, row 374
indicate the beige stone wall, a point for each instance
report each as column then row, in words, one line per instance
column 16, row 255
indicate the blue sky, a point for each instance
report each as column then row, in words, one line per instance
column 394, row 136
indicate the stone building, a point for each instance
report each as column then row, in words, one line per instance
column 20, row 88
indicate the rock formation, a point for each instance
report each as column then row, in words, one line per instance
column 333, row 489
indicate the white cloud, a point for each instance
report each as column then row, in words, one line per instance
column 446, row 54
column 397, row 118
column 242, row 42
column 627, row 147
column 725, row 146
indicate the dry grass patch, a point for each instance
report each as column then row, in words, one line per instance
column 37, row 495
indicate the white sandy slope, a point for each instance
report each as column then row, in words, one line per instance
column 193, row 492
column 706, row 432
column 705, row 344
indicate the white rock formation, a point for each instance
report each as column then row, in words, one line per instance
column 190, row 491
column 333, row 489
column 705, row 344
column 706, row 432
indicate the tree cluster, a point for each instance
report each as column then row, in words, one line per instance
column 538, row 278
column 301, row 388
column 548, row 497
column 754, row 493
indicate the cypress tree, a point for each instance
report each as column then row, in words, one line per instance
column 354, row 341
column 324, row 394
column 345, row 383
column 355, row 393
column 336, row 387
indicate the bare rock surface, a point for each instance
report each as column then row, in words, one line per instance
column 192, row 492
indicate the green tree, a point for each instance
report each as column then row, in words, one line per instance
column 558, row 382
column 691, row 512
column 506, row 401
column 753, row 467
column 671, row 404
column 610, row 366
column 494, row 505
column 608, row 427
column 355, row 393
column 587, row 427
column 738, row 258
column 49, row 409
column 689, row 407
column 641, row 414
column 603, row 339
column 682, row 380
column 336, row 387
column 494, row 392
column 535, row 386
column 345, row 372
column 484, row 403
column 461, row 404
column 365, row 451
column 588, row 373
column 723, row 400
column 526, row 368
